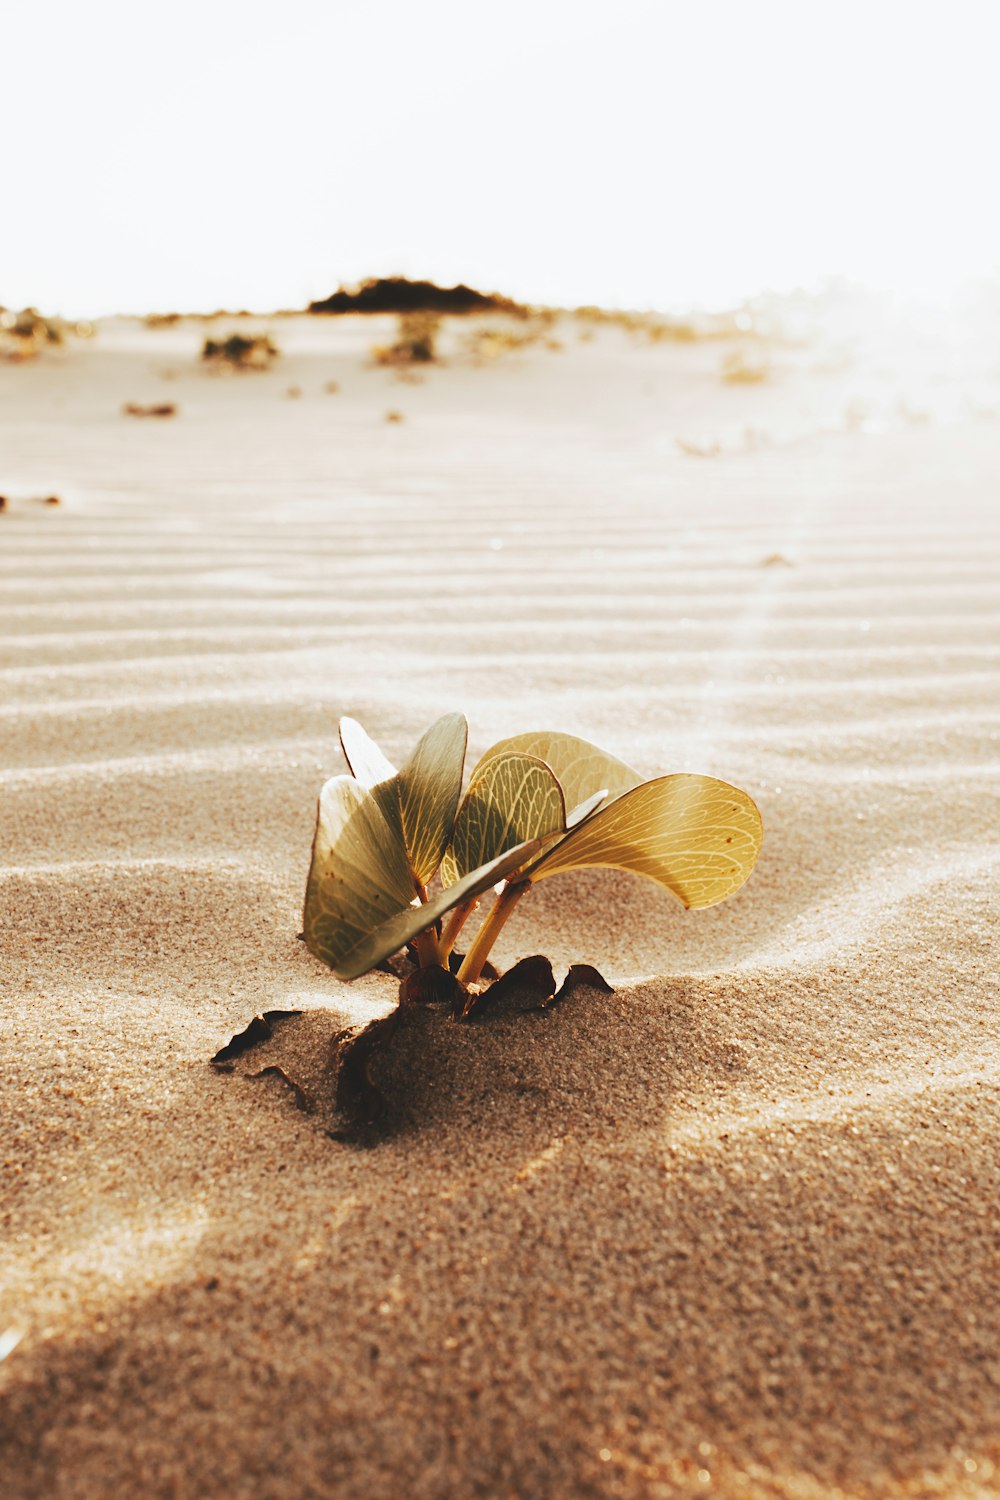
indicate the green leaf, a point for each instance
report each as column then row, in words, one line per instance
column 511, row 798
column 359, row 903
column 420, row 800
column 580, row 767
column 359, row 874
column 404, row 926
column 697, row 836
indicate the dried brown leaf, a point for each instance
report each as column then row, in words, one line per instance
column 432, row 985
column 531, row 977
column 581, row 976
column 260, row 1029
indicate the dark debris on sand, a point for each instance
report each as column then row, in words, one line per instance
column 397, row 294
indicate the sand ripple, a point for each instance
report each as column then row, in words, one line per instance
column 731, row 1231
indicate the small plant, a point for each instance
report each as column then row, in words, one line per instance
column 240, row 351
column 537, row 805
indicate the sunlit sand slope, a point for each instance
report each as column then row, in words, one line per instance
column 731, row 1231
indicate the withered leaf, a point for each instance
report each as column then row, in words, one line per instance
column 302, row 1099
column 432, row 985
column 260, row 1029
column 581, row 976
column 531, row 977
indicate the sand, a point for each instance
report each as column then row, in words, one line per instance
column 731, row 1231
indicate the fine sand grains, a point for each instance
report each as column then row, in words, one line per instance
column 731, row 1231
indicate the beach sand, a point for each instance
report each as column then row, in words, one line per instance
column 730, row 1231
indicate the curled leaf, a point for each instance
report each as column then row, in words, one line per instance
column 582, row 769
column 531, row 977
column 368, row 764
column 432, row 985
column 511, row 798
column 694, row 835
column 584, row 810
column 581, row 976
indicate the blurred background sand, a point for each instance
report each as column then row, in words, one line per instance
column 731, row 1231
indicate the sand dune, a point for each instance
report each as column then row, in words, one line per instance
column 731, row 1231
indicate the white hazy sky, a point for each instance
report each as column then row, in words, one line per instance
column 205, row 153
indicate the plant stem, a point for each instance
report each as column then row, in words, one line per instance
column 487, row 935
column 454, row 925
column 426, row 946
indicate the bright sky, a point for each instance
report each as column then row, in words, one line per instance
column 205, row 153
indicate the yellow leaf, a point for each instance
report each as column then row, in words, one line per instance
column 580, row 767
column 697, row 836
column 511, row 798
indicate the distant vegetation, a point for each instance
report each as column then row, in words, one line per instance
column 241, row 351
column 23, row 335
column 414, row 341
column 397, row 294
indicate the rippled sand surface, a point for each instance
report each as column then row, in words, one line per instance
column 731, row 1231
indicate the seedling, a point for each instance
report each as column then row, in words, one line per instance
column 537, row 805
column 401, row 859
